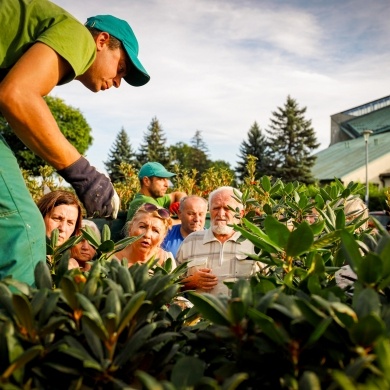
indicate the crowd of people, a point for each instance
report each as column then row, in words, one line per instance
column 215, row 255
column 42, row 47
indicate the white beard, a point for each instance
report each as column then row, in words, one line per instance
column 222, row 229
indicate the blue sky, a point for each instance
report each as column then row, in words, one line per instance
column 219, row 66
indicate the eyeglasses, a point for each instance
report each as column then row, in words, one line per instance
column 150, row 207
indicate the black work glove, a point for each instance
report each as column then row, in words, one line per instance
column 94, row 189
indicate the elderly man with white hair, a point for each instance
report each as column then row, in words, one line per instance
column 216, row 254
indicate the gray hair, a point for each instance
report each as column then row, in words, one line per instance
column 189, row 197
column 92, row 225
column 234, row 192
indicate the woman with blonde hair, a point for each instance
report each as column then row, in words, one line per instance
column 153, row 223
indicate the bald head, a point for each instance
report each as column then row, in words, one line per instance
column 192, row 214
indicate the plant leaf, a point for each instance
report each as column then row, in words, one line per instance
column 210, row 307
column 300, row 240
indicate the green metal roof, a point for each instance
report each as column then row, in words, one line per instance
column 345, row 157
column 378, row 121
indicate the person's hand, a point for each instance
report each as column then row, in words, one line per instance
column 94, row 189
column 174, row 208
column 203, row 279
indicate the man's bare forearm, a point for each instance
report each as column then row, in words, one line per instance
column 23, row 106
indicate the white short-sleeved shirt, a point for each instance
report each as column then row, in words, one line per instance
column 229, row 260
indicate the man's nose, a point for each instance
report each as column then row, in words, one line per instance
column 221, row 212
column 117, row 81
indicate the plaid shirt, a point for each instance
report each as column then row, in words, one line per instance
column 228, row 261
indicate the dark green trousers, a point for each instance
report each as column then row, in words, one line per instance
column 22, row 230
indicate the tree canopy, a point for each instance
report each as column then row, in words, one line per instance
column 154, row 146
column 120, row 152
column 291, row 141
column 255, row 145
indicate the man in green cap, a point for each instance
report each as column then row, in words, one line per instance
column 42, row 46
column 154, row 184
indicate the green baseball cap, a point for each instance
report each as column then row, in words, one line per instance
column 121, row 30
column 152, row 169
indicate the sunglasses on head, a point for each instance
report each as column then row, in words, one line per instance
column 150, row 207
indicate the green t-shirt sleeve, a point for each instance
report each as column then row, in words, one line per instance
column 26, row 22
column 139, row 199
column 78, row 48
column 164, row 201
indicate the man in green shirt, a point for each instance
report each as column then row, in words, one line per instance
column 154, row 184
column 42, row 46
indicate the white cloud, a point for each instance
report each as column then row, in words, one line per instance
column 218, row 66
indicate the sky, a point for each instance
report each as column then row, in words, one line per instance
column 218, row 66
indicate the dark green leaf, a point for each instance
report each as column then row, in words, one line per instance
column 266, row 183
column 340, row 219
column 278, row 232
column 106, row 233
column 300, row 240
column 319, row 330
column 351, row 250
column 22, row 360
column 131, row 309
column 42, row 276
column 106, row 246
column 126, row 281
column 242, row 290
column 367, row 330
column 366, row 302
column 210, row 307
column 317, row 227
column 274, row 331
column 371, row 269
column 90, row 235
column 69, row 291
column 23, row 311
column 183, row 377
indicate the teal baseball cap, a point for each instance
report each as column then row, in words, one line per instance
column 121, row 30
column 154, row 169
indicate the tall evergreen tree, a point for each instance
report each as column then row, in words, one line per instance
column 291, row 141
column 154, row 146
column 198, row 142
column 120, row 152
column 256, row 145
column 200, row 153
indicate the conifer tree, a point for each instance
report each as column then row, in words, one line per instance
column 256, row 145
column 121, row 151
column 200, row 153
column 154, row 146
column 291, row 141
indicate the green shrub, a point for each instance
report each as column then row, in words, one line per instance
column 289, row 327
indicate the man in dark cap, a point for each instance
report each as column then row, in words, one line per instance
column 154, row 182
